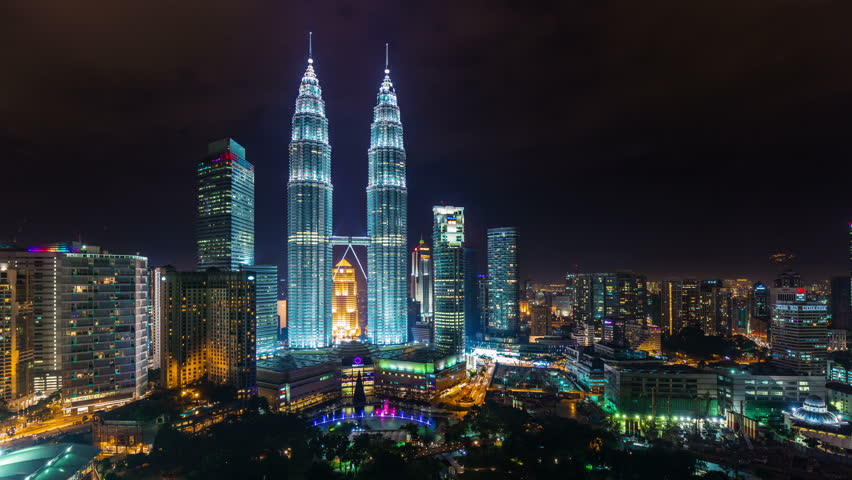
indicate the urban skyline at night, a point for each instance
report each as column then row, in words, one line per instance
column 448, row 240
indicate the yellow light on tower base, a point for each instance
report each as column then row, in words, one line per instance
column 344, row 303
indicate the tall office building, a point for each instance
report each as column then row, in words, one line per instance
column 610, row 295
column 387, row 223
column 422, row 283
column 156, row 316
column 503, row 276
column 16, row 333
column 209, row 328
column 472, row 309
column 344, row 303
column 715, row 316
column 309, row 195
column 799, row 331
column 266, row 298
column 448, row 255
column 680, row 305
column 225, row 222
column 90, row 322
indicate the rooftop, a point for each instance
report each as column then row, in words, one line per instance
column 289, row 363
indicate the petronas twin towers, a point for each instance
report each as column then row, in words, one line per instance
column 309, row 228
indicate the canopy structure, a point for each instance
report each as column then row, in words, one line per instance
column 59, row 461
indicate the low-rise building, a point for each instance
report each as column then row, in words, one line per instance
column 294, row 383
column 839, row 368
column 417, row 374
column 671, row 390
column 130, row 428
column 749, row 389
column 839, row 396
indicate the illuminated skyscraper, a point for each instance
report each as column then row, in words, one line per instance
column 209, row 328
column 267, row 308
column 225, row 222
column 448, row 256
column 799, row 331
column 344, row 303
column 309, row 194
column 387, row 206
column 90, row 311
column 503, row 293
column 422, row 279
column 619, row 294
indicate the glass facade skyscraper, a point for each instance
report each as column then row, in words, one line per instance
column 503, row 293
column 266, row 282
column 448, row 256
column 309, row 196
column 225, row 222
column 387, row 210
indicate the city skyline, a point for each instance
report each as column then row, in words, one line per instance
column 735, row 223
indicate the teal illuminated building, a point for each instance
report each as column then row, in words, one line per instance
column 225, row 222
column 448, row 255
column 309, row 190
column 225, row 230
column 503, row 291
column 387, row 200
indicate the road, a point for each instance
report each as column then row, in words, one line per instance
column 472, row 392
column 50, row 427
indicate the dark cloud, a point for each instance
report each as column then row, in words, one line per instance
column 664, row 136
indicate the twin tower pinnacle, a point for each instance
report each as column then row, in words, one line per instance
column 309, row 221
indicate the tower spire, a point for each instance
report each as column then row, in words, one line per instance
column 310, row 47
column 387, row 71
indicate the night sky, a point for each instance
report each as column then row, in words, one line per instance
column 668, row 137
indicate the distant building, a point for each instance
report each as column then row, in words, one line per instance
column 344, row 303
column 799, row 332
column 225, row 222
column 841, row 303
column 680, row 305
column 75, row 288
column 839, row 368
column 610, row 295
column 282, row 314
column 541, row 317
column 448, row 255
column 503, row 277
column 422, row 281
column 644, row 338
column 473, row 320
column 715, row 316
column 209, row 332
column 156, row 316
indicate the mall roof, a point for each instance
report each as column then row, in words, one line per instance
column 59, row 461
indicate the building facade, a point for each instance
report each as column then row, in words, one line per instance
column 266, row 298
column 610, row 295
column 448, row 255
column 422, row 283
column 799, row 332
column 503, row 277
column 209, row 329
column 344, row 303
column 309, row 203
column 16, row 333
column 90, row 322
column 225, row 221
column 387, row 223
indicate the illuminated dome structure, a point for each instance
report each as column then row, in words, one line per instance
column 815, row 411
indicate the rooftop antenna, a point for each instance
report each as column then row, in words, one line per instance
column 310, row 47
column 387, row 71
